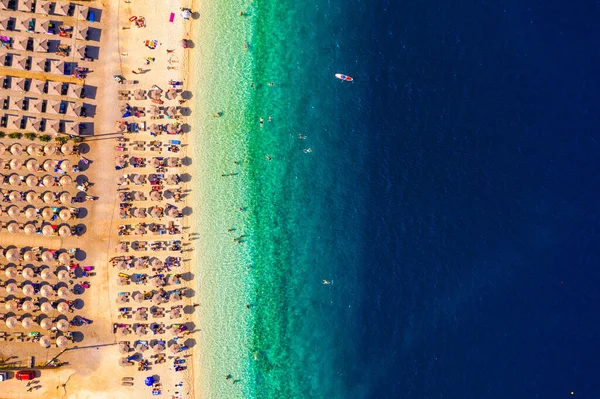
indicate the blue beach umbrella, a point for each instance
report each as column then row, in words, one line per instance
column 149, row 381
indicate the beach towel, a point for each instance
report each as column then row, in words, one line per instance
column 172, row 17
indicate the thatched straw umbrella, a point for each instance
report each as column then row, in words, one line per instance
column 64, row 258
column 29, row 229
column 13, row 228
column 28, row 256
column 27, row 322
column 34, row 149
column 46, row 291
column 2, row 148
column 46, row 307
column 48, row 181
column 14, row 196
column 46, row 323
column 48, row 230
column 62, row 307
column 64, row 214
column 28, row 306
column 10, row 305
column 50, row 149
column 47, row 256
column 49, row 197
column 65, row 198
column 12, row 255
column 14, row 180
column 49, row 165
column 11, row 288
column 28, row 290
column 62, row 325
column 63, row 292
column 65, row 181
column 30, row 213
column 67, row 149
column 45, row 341
column 64, row 231
column 16, row 149
column 28, row 272
column 11, row 322
column 11, row 272
column 16, row 164
column 47, row 274
column 32, row 197
column 62, row 341
column 32, row 181
column 63, row 275
column 65, row 165
column 13, row 211
column 47, row 213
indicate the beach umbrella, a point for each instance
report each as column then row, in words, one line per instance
column 124, row 362
column 137, row 180
column 122, row 297
column 27, row 322
column 32, row 197
column 62, row 341
column 121, row 247
column 123, row 331
column 172, row 180
column 45, row 341
column 47, row 230
column 121, row 280
column 67, row 149
column 46, row 291
column 47, row 256
column 138, row 263
column 33, row 149
column 11, row 322
column 46, row 307
column 13, row 211
column 155, row 162
column 138, row 297
column 10, row 305
column 123, row 347
column 28, row 272
column 63, row 307
column 12, row 255
column 14, row 180
column 121, row 265
column 141, row 347
column 50, row 149
column 141, row 330
column 155, row 196
column 64, row 258
column 121, row 180
column 65, row 181
column 32, row 181
column 64, row 231
column 62, row 275
column 28, row 290
column 48, row 181
column 139, row 230
column 49, row 165
column 175, row 313
column 2, row 148
column 137, row 245
column 157, row 281
column 47, row 274
column 175, row 348
column 30, row 213
column 33, row 165
column 14, row 196
column 174, row 297
column 62, row 325
column 63, row 292
column 16, row 149
column 171, row 94
column 28, row 306
column 156, row 212
column 28, row 256
column 11, row 288
column 155, row 262
column 139, row 213
column 158, row 348
column 65, row 214
column 11, row 272
column 157, row 299
column 29, row 229
column 65, row 165
column 122, row 213
column 65, row 198
column 16, row 164
column 173, row 212
column 140, row 315
column 46, row 323
column 13, row 227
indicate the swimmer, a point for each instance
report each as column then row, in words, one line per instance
column 326, row 282
column 307, row 150
column 302, row 137
column 270, row 118
column 252, row 85
column 255, row 356
column 268, row 157
column 271, row 84
column 245, row 46
column 262, row 121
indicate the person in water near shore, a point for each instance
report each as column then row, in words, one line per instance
column 302, row 137
column 271, row 84
column 252, row 85
column 270, row 119
column 308, row 150
column 262, row 121
column 268, row 157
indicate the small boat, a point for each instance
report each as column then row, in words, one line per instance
column 343, row 77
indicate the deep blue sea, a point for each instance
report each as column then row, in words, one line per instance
column 449, row 194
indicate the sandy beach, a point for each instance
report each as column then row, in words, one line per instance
column 90, row 365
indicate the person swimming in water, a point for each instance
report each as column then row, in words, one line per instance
column 270, row 118
column 326, row 282
column 302, row 137
column 262, row 121
column 307, row 150
column 268, row 157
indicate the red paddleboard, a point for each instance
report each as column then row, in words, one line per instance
column 343, row 77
